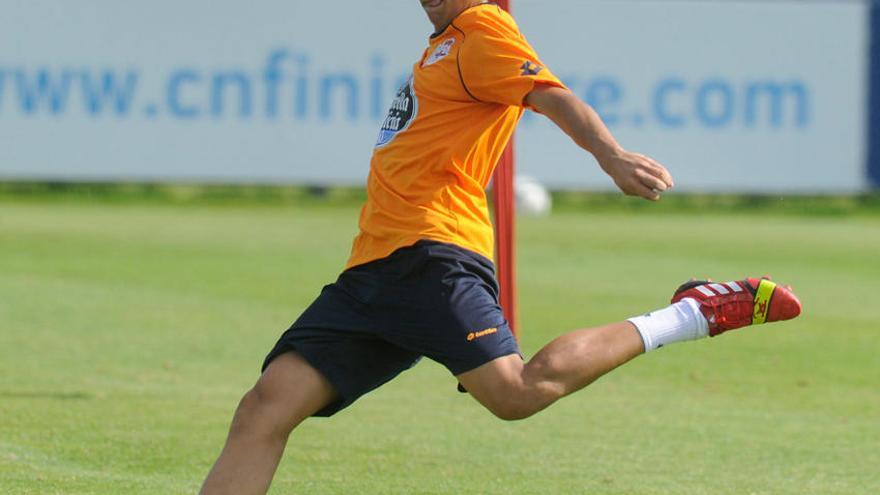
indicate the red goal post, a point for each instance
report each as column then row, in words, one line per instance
column 503, row 204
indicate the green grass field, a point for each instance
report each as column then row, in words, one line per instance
column 128, row 333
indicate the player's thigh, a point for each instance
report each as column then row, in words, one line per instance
column 447, row 310
column 288, row 391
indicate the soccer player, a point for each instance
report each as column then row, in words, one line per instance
column 420, row 281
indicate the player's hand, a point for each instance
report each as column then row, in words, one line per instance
column 636, row 174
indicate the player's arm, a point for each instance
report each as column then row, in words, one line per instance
column 634, row 174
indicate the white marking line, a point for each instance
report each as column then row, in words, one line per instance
column 720, row 288
column 705, row 290
column 735, row 286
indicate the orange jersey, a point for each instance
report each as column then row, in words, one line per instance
column 444, row 134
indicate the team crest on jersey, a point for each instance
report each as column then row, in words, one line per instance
column 403, row 111
column 440, row 52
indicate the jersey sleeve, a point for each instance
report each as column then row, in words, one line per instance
column 498, row 65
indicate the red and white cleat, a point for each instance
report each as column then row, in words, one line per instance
column 734, row 305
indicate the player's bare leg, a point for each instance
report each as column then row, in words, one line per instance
column 513, row 390
column 288, row 392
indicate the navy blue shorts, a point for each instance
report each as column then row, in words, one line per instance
column 378, row 319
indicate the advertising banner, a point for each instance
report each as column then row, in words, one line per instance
column 730, row 95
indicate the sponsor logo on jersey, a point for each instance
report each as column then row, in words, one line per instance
column 403, row 111
column 440, row 52
column 531, row 69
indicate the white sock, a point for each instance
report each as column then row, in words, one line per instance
column 676, row 323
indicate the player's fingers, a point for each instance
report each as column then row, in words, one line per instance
column 654, row 162
column 643, row 191
column 656, row 167
column 661, row 172
column 651, row 181
column 666, row 177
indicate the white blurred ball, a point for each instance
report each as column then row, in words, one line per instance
column 532, row 199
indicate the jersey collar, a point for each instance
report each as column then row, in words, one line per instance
column 442, row 31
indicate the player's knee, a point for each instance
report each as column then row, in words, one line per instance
column 542, row 369
column 257, row 415
column 520, row 397
column 512, row 410
column 248, row 411
column 541, row 376
column 512, row 402
column 511, row 413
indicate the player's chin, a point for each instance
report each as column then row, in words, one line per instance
column 432, row 4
